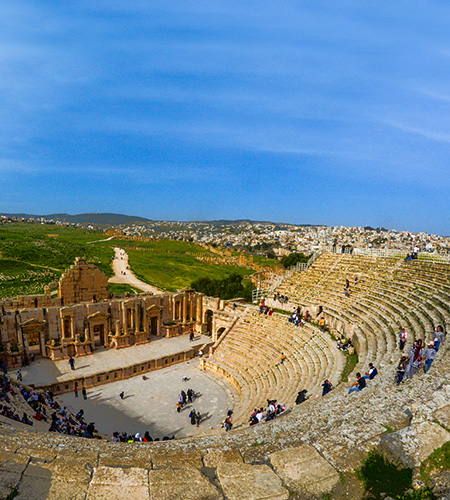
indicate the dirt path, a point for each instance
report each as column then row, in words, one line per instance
column 124, row 274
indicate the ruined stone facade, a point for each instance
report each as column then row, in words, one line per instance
column 82, row 282
column 59, row 331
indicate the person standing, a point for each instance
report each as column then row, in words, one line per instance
column 84, row 392
column 198, row 418
column 122, row 395
column 19, row 375
column 72, row 363
column 438, row 337
column 191, row 335
column 429, row 356
column 282, row 358
column 402, row 339
column 322, row 324
column 75, row 389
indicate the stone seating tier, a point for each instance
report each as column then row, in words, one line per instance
column 334, row 432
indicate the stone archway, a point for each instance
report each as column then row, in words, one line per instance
column 220, row 332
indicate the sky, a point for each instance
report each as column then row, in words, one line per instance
column 317, row 112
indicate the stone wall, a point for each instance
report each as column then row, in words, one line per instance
column 78, row 329
column 83, row 282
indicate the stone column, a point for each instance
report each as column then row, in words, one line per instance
column 136, row 318
column 72, row 326
column 184, row 307
column 125, row 319
column 172, row 300
column 42, row 342
column 199, row 310
column 144, row 312
column 191, row 304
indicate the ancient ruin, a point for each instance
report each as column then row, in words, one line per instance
column 309, row 452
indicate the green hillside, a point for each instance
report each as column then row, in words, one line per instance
column 33, row 255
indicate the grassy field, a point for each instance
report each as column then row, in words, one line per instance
column 167, row 264
column 33, row 255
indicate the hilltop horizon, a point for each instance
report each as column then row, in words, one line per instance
column 321, row 112
column 117, row 219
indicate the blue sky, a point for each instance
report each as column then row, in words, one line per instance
column 306, row 112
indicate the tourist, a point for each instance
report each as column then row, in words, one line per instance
column 414, row 359
column 402, row 339
column 122, row 395
column 322, row 324
column 147, row 438
column 307, row 316
column 429, row 355
column 301, row 397
column 191, row 335
column 72, row 363
column 327, row 386
column 401, row 368
column 282, row 358
column 438, row 337
column 359, row 385
column 193, row 416
column 198, row 418
column 19, row 375
column 75, row 389
column 84, row 392
column 372, row 373
column 26, row 420
column 228, row 424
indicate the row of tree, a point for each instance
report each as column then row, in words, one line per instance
column 231, row 287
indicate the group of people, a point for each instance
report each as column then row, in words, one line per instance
column 414, row 255
column 347, row 289
column 123, row 437
column 296, row 317
column 184, row 398
column 419, row 355
column 361, row 380
column 344, row 346
column 263, row 309
column 282, row 299
column 268, row 413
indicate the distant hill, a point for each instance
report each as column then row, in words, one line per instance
column 105, row 219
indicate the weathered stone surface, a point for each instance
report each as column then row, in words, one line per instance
column 304, row 469
column 441, row 483
column 35, row 483
column 11, row 469
column 44, row 454
column 443, row 415
column 111, row 483
column 252, row 482
column 215, row 458
column 412, row 445
column 175, row 460
column 70, row 478
column 142, row 461
column 187, row 484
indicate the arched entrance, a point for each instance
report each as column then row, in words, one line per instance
column 220, row 332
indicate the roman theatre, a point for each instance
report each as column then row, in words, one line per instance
column 310, row 450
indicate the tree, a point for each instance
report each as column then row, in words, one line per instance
column 294, row 258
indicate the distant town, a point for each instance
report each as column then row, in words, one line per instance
column 261, row 238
